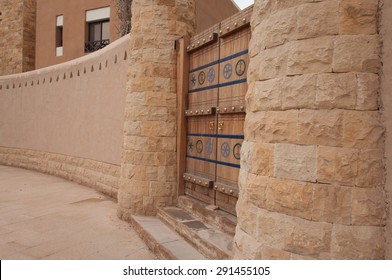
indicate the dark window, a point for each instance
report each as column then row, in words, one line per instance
column 98, row 35
column 59, row 36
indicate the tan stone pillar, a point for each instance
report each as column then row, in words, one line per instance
column 148, row 169
column 312, row 171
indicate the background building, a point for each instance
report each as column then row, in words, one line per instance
column 39, row 33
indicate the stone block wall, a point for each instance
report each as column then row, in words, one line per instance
column 100, row 176
column 17, row 36
column 148, row 169
column 312, row 170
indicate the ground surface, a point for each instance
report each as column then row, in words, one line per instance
column 44, row 217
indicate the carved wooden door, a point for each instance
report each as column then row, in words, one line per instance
column 216, row 111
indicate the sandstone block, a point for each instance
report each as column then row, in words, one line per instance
column 248, row 218
column 255, row 192
column 262, row 159
column 290, row 197
column 266, row 96
column 359, row 242
column 359, row 53
column 369, row 207
column 367, row 96
column 371, row 169
column 295, row 162
column 245, row 246
column 319, row 127
column 337, row 165
column 269, row 253
column 358, row 17
column 278, row 28
column 161, row 189
column 332, row 204
column 294, row 235
column 272, row 127
column 269, row 64
column 336, row 91
column 299, row 92
column 363, row 129
column 318, row 19
column 310, row 56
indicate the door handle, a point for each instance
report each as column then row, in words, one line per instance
column 211, row 125
column 220, row 125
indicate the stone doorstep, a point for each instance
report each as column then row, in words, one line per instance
column 204, row 212
column 211, row 242
column 163, row 241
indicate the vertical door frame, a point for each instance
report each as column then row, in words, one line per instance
column 182, row 90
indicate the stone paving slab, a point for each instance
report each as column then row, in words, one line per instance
column 44, row 217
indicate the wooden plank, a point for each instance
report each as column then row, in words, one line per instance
column 182, row 90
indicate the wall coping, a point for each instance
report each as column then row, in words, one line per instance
column 66, row 66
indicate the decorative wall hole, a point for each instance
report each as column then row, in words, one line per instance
column 100, row 66
column 84, row 70
column 71, row 75
column 78, row 73
column 125, row 55
column 115, row 59
column 92, row 68
column 13, row 86
column 37, row 82
column 25, row 84
column 8, row 86
column 58, row 78
column 32, row 83
column 43, row 81
column 20, row 85
column 1, row 87
column 51, row 80
column 106, row 63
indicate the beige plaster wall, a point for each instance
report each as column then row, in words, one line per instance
column 74, row 109
column 386, row 102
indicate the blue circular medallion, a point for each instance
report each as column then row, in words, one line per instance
column 227, row 71
column 225, row 150
column 211, row 75
column 193, row 80
column 209, row 147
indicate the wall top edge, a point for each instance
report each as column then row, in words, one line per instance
column 121, row 43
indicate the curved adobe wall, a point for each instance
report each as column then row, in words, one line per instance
column 67, row 120
column 312, row 172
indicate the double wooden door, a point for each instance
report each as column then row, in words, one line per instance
column 215, row 112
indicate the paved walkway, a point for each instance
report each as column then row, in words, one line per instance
column 44, row 217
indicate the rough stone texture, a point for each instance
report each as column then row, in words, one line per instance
column 386, row 109
column 310, row 56
column 312, row 168
column 357, row 53
column 17, row 36
column 358, row 17
column 318, row 19
column 337, row 165
column 296, row 162
column 148, row 169
column 100, row 176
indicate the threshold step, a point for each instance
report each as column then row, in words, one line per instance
column 163, row 241
column 210, row 241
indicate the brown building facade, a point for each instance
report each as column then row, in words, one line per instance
column 40, row 33
column 69, row 29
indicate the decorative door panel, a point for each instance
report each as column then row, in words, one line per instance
column 215, row 111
